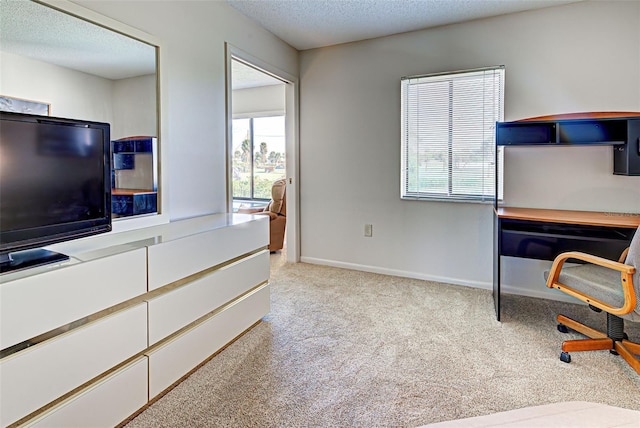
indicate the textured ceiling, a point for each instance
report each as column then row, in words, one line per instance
column 307, row 24
column 39, row 32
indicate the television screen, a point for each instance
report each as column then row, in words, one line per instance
column 54, row 180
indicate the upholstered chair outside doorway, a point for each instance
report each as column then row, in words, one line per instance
column 277, row 212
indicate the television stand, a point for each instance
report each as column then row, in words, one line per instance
column 11, row 262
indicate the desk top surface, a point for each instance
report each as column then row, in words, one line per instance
column 592, row 218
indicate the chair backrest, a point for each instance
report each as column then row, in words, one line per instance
column 278, row 203
column 633, row 259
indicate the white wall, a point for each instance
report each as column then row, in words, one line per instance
column 580, row 57
column 71, row 93
column 127, row 104
column 193, row 36
column 134, row 107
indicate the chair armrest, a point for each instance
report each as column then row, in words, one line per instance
column 623, row 256
column 272, row 216
column 250, row 210
column 626, row 281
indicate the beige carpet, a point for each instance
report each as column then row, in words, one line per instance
column 346, row 348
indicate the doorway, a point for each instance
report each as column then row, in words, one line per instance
column 261, row 139
column 258, row 149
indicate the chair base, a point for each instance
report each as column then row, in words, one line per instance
column 598, row 341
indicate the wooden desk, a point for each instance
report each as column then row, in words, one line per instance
column 543, row 234
column 589, row 218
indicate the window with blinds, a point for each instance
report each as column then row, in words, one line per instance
column 448, row 134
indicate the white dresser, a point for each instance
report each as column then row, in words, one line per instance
column 90, row 341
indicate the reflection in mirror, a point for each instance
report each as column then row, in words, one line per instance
column 85, row 71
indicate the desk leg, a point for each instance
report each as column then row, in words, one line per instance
column 497, row 230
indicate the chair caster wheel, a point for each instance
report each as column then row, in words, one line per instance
column 613, row 352
column 565, row 357
column 563, row 328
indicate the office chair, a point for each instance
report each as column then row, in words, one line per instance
column 605, row 285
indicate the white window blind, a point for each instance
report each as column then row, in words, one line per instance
column 448, row 134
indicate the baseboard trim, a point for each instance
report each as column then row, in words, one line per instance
column 397, row 272
column 542, row 293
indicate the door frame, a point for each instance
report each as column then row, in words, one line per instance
column 292, row 117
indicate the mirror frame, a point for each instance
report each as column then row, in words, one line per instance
column 80, row 12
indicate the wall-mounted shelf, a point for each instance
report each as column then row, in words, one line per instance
column 578, row 132
column 619, row 129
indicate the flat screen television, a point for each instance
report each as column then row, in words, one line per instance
column 55, row 185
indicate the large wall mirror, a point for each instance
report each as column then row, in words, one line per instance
column 54, row 61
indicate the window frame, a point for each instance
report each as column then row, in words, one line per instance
column 488, row 192
column 252, row 151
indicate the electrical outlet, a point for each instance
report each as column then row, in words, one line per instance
column 368, row 230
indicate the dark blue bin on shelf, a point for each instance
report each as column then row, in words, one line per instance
column 133, row 145
column 134, row 203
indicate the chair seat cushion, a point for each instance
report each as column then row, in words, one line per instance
column 598, row 282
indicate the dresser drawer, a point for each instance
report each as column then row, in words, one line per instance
column 176, row 259
column 174, row 310
column 173, row 360
column 39, row 303
column 38, row 375
column 104, row 404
